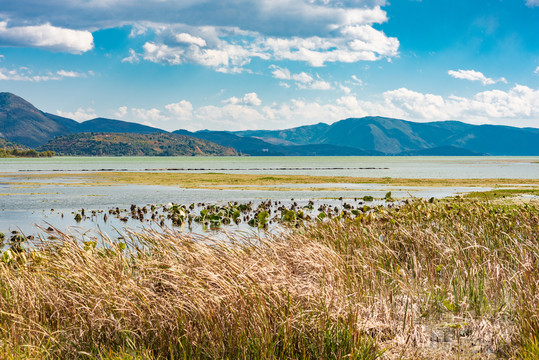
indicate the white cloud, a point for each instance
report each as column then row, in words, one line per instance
column 122, row 111
column 345, row 89
column 224, row 35
column 133, row 57
column 190, row 39
column 25, row 74
column 537, row 70
column 230, row 49
column 79, row 115
column 519, row 106
column 268, row 17
column 70, row 74
column 148, row 114
column 47, row 37
column 356, row 81
column 224, row 58
column 182, row 110
column 250, row 99
column 352, row 44
column 473, row 75
column 532, row 3
column 302, row 79
column 316, row 85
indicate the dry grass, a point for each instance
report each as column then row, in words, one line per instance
column 222, row 180
column 438, row 280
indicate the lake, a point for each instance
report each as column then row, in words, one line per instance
column 364, row 166
column 22, row 206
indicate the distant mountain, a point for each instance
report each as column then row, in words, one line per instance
column 441, row 151
column 123, row 144
column 498, row 140
column 115, row 126
column 22, row 123
column 394, row 136
column 302, row 135
column 256, row 147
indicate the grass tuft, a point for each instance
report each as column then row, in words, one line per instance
column 442, row 279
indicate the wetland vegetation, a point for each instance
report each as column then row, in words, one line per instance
column 220, row 180
column 24, row 153
column 438, row 279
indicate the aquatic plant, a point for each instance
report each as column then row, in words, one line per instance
column 419, row 280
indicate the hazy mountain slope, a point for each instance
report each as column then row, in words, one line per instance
column 394, row 136
column 22, row 123
column 245, row 145
column 441, row 151
column 256, row 147
column 115, row 126
column 498, row 140
column 302, row 135
column 71, row 125
column 124, row 144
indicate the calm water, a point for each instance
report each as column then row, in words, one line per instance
column 24, row 207
column 396, row 167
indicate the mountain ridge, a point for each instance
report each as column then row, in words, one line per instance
column 22, row 123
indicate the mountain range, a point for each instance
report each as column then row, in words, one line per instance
column 22, row 123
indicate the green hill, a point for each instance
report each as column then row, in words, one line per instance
column 122, row 144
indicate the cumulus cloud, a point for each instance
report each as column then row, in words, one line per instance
column 121, row 112
column 217, row 34
column 148, row 114
column 302, row 79
column 350, row 45
column 273, row 18
column 182, row 110
column 224, row 57
column 519, row 106
column 25, row 74
column 532, row 3
column 537, row 70
column 189, row 39
column 47, row 37
column 473, row 75
column 250, row 99
column 79, row 115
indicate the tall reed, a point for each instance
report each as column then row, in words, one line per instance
column 387, row 284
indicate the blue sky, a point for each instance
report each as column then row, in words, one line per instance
column 269, row 64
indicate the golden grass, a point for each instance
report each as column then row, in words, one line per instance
column 448, row 279
column 221, row 180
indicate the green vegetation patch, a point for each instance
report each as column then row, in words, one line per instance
column 127, row 144
column 28, row 153
column 501, row 193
